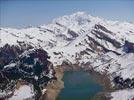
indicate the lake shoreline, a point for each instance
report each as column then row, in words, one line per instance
column 55, row 86
column 53, row 89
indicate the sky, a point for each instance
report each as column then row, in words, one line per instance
column 22, row 13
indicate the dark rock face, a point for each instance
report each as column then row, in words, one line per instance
column 123, row 84
column 10, row 53
column 72, row 33
column 128, row 47
column 31, row 66
column 94, row 45
column 102, row 28
column 103, row 36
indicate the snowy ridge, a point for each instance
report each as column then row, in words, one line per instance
column 123, row 95
column 24, row 92
column 80, row 39
column 77, row 38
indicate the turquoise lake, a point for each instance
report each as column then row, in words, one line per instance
column 79, row 85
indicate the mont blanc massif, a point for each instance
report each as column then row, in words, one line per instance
column 31, row 57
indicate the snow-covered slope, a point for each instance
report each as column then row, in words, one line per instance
column 24, row 92
column 68, row 29
column 81, row 39
column 123, row 95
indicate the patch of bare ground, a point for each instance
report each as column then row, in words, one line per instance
column 54, row 87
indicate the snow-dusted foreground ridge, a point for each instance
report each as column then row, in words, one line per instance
column 123, row 95
column 105, row 46
column 22, row 93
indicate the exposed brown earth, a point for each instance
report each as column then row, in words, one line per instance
column 54, row 87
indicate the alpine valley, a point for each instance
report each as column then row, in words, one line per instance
column 30, row 56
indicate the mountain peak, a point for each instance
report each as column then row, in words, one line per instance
column 80, row 13
column 80, row 18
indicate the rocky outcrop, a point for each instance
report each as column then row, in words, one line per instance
column 120, row 83
column 31, row 66
column 128, row 47
column 9, row 53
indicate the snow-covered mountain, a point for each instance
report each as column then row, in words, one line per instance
column 106, row 46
